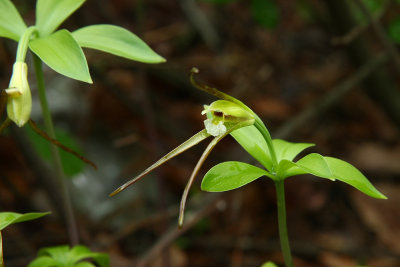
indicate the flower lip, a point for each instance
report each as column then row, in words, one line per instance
column 215, row 129
column 223, row 113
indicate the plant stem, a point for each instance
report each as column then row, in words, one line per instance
column 24, row 42
column 267, row 137
column 283, row 233
column 65, row 196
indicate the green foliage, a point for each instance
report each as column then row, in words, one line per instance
column 71, row 164
column 287, row 150
column 269, row 264
column 117, row 41
column 253, row 142
column 8, row 218
column 11, row 24
column 61, row 50
column 227, row 175
column 62, row 53
column 394, row 30
column 265, row 12
column 63, row 256
column 230, row 175
column 51, row 13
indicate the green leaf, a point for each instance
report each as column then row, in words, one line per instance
column 330, row 168
column 71, row 164
column 7, row 218
column 80, row 252
column 84, row 264
column 269, row 264
column 287, row 168
column 59, row 253
column 230, row 175
column 117, row 41
column 64, row 256
column 288, row 150
column 11, row 24
column 265, row 12
column 253, row 142
column 45, row 261
column 102, row 259
column 347, row 173
column 62, row 53
column 317, row 165
column 394, row 30
column 51, row 13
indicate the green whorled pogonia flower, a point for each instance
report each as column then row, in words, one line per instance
column 19, row 100
column 223, row 117
column 223, row 113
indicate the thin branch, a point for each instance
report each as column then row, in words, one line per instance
column 57, row 143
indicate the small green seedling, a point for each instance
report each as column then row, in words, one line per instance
column 63, row 256
column 231, row 116
column 8, row 218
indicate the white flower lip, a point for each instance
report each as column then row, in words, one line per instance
column 214, row 129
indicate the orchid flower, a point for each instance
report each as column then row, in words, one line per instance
column 223, row 117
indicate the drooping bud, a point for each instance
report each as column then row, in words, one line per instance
column 19, row 101
column 222, row 114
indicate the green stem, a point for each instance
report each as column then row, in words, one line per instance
column 267, row 137
column 68, row 210
column 283, row 233
column 24, row 42
column 1, row 251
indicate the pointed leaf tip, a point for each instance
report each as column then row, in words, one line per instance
column 330, row 168
column 62, row 53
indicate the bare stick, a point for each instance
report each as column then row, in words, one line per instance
column 57, row 143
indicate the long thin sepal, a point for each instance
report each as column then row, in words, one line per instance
column 194, row 140
column 214, row 91
column 196, row 169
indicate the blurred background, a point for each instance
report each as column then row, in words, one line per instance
column 323, row 72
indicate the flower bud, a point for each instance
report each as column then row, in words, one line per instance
column 222, row 114
column 19, row 101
